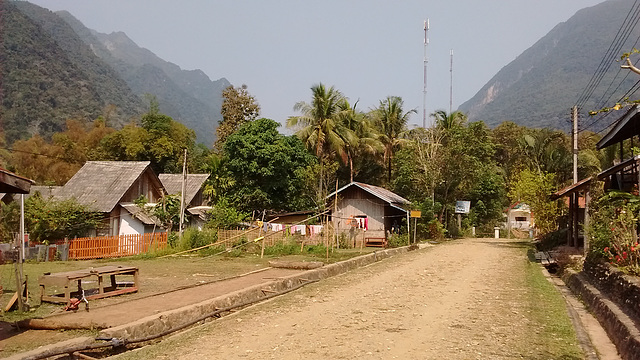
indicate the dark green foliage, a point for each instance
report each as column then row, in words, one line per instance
column 268, row 168
column 50, row 220
column 50, row 75
column 160, row 140
column 224, row 216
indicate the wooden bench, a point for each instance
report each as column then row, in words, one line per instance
column 375, row 242
column 545, row 258
column 65, row 280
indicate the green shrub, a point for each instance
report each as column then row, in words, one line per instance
column 193, row 238
column 397, row 240
column 612, row 230
column 435, row 230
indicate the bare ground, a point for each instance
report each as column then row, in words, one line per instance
column 467, row 299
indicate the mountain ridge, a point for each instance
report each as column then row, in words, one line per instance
column 539, row 87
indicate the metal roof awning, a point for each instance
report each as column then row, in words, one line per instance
column 14, row 184
column 571, row 188
column 626, row 127
column 615, row 168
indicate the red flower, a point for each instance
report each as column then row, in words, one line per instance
column 624, row 254
column 606, row 249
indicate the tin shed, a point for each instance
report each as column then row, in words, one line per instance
column 367, row 209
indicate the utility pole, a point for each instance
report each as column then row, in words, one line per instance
column 424, row 89
column 574, row 200
column 184, row 187
column 574, row 119
column 451, row 83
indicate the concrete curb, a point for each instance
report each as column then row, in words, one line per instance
column 173, row 319
column 618, row 325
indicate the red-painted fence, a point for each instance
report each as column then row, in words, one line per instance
column 116, row 246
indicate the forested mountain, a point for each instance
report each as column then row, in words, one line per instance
column 189, row 96
column 539, row 87
column 46, row 81
column 54, row 68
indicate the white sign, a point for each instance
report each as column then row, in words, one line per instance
column 462, row 207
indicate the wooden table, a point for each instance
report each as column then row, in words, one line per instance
column 65, row 280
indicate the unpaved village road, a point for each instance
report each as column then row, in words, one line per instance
column 464, row 299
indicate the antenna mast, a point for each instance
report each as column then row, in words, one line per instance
column 451, row 83
column 424, row 89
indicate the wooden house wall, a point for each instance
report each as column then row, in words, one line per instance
column 143, row 186
column 355, row 201
column 198, row 199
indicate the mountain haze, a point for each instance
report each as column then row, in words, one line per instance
column 54, row 69
column 540, row 86
column 46, row 81
column 189, row 96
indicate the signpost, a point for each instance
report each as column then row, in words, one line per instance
column 462, row 207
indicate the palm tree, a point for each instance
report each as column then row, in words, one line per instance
column 364, row 138
column 391, row 122
column 320, row 127
column 449, row 121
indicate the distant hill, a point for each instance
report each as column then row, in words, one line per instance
column 189, row 96
column 540, row 86
column 45, row 81
column 54, row 68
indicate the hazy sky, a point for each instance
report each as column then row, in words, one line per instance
column 366, row 49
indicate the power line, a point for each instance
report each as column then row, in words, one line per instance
column 57, row 157
column 614, row 48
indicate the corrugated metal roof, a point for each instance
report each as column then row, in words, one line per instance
column 381, row 193
column 173, row 184
column 101, row 184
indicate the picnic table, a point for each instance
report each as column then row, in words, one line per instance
column 65, row 280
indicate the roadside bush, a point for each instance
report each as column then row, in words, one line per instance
column 613, row 231
column 288, row 247
column 435, row 230
column 343, row 241
column 193, row 238
column 397, row 240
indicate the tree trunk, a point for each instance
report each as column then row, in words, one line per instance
column 389, row 163
column 351, row 168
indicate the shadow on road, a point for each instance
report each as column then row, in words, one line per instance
column 514, row 243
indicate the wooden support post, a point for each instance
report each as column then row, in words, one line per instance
column 570, row 221
column 587, row 200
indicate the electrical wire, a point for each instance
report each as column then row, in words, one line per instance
column 614, row 48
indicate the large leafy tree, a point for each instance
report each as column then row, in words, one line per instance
column 160, row 140
column 268, row 168
column 320, row 127
column 50, row 220
column 391, row 122
column 238, row 107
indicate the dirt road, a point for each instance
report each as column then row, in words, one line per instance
column 467, row 299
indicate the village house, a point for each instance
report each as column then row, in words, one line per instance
column 196, row 204
column 111, row 187
column 519, row 217
column 623, row 175
column 367, row 213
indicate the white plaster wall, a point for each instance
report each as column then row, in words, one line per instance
column 129, row 225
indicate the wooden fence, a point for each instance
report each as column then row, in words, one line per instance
column 116, row 246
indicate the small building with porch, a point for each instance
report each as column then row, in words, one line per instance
column 111, row 187
column 623, row 175
column 366, row 212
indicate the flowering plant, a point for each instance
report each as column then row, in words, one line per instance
column 613, row 230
